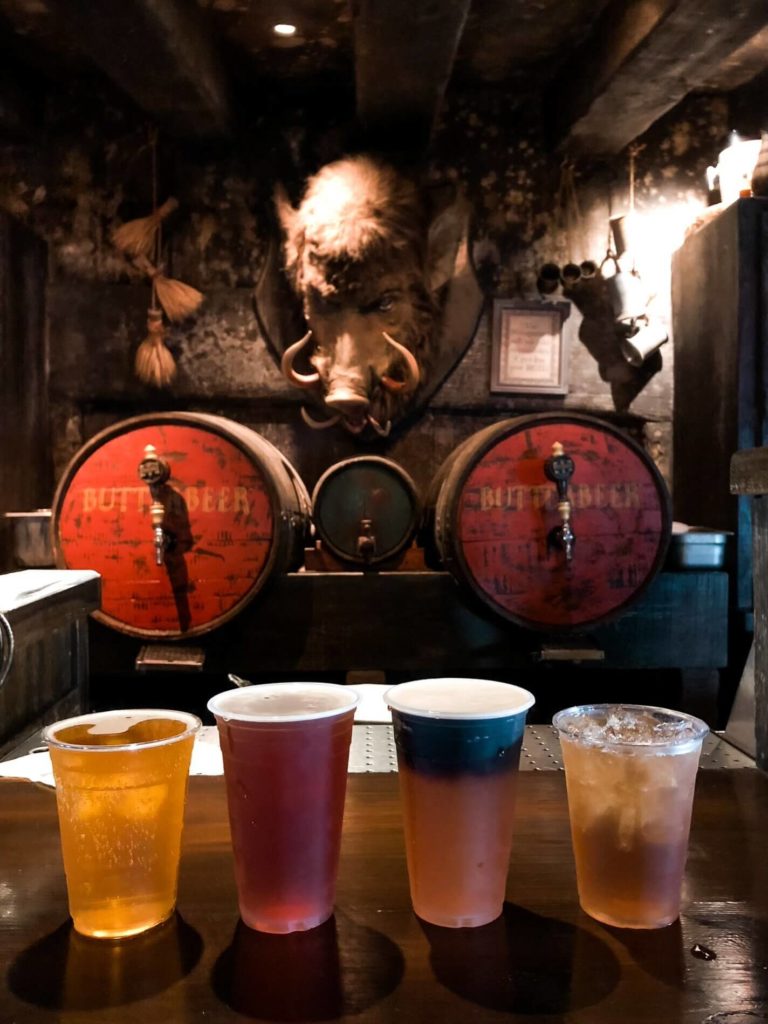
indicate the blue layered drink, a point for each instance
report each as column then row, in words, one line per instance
column 458, row 748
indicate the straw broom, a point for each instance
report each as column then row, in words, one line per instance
column 154, row 363
column 137, row 237
column 179, row 300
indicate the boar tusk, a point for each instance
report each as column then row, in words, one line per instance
column 381, row 431
column 412, row 374
column 318, row 424
column 392, row 385
column 301, row 380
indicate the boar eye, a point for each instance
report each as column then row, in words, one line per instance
column 383, row 304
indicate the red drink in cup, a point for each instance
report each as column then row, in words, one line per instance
column 458, row 749
column 286, row 751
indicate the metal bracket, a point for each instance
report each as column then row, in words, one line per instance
column 167, row 658
column 574, row 649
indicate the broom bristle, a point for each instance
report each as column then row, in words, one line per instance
column 179, row 300
column 137, row 237
column 154, row 363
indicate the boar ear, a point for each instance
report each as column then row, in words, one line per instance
column 447, row 231
column 289, row 222
column 285, row 212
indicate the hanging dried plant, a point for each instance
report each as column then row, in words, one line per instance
column 154, row 363
column 137, row 237
column 179, row 300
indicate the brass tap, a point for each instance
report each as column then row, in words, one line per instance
column 559, row 468
column 154, row 471
column 366, row 541
column 157, row 514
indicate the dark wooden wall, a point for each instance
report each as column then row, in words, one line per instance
column 84, row 180
column 26, row 472
column 719, row 288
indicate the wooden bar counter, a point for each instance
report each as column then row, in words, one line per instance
column 375, row 961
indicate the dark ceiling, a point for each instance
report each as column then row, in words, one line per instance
column 609, row 68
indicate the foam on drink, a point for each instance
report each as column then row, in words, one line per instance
column 283, row 702
column 459, row 698
column 121, row 728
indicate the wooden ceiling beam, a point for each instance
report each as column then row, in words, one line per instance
column 742, row 65
column 404, row 54
column 644, row 57
column 159, row 53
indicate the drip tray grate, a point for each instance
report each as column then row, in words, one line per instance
column 373, row 750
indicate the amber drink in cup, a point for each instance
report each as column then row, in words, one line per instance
column 286, row 750
column 458, row 750
column 630, row 772
column 121, row 783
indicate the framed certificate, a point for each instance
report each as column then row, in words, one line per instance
column 528, row 351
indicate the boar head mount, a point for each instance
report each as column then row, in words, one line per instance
column 384, row 298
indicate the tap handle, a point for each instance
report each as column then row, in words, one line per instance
column 559, row 468
column 366, row 540
column 153, row 469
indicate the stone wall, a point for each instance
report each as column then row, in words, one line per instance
column 90, row 170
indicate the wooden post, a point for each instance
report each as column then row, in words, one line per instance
column 749, row 475
column 26, row 474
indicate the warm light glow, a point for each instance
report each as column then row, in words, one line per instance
column 658, row 230
column 734, row 169
column 284, row 30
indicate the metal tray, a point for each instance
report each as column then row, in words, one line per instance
column 698, row 549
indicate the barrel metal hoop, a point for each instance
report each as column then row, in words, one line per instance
column 6, row 647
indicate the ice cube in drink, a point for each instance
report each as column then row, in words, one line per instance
column 630, row 775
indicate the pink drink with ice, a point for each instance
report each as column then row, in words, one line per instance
column 630, row 773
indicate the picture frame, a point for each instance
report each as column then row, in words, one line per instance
column 528, row 348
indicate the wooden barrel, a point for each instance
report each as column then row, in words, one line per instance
column 494, row 518
column 232, row 513
column 365, row 510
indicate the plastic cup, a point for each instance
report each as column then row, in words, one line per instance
column 458, row 749
column 121, row 783
column 630, row 772
column 286, row 750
